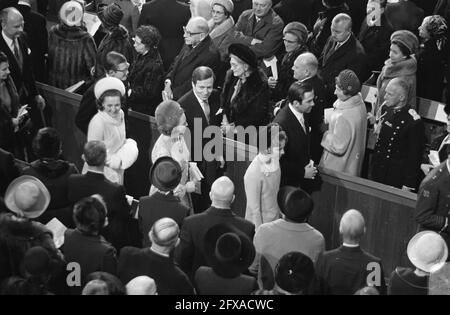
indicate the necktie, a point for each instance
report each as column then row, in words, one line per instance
column 302, row 122
column 206, row 110
column 17, row 53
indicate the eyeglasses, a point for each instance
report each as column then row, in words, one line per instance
column 213, row 12
column 188, row 33
column 135, row 39
column 290, row 41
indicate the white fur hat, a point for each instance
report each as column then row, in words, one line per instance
column 106, row 84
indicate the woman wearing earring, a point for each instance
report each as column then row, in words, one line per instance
column 262, row 178
column 108, row 125
column 171, row 122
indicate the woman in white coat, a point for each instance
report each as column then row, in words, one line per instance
column 108, row 125
column 345, row 141
column 262, row 178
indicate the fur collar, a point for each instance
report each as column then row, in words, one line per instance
column 354, row 101
column 221, row 29
column 406, row 67
column 71, row 33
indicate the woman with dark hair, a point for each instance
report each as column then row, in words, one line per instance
column 146, row 74
column 85, row 244
column 108, row 125
column 295, row 35
column 54, row 173
column 116, row 39
column 432, row 58
column 171, row 122
column 12, row 116
column 401, row 64
column 263, row 176
column 245, row 95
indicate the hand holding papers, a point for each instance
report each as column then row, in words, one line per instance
column 272, row 64
column 58, row 229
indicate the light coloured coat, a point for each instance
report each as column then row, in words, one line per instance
column 345, row 141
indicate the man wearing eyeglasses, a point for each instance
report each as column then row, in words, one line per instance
column 261, row 29
column 199, row 50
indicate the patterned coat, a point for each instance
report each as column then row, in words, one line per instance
column 71, row 55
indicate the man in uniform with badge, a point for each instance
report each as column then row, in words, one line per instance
column 401, row 142
column 433, row 201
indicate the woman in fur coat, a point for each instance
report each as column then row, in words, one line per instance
column 401, row 63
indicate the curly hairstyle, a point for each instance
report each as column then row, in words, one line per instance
column 168, row 115
column 149, row 36
column 90, row 214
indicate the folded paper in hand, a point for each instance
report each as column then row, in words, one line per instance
column 194, row 172
column 58, row 229
column 272, row 64
column 92, row 23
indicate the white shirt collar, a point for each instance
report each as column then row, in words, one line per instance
column 8, row 41
column 350, row 245
column 340, row 44
column 201, row 102
column 298, row 115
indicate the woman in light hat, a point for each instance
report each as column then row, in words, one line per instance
column 344, row 142
column 108, row 125
column 171, row 122
column 71, row 49
column 295, row 35
column 222, row 26
column 428, row 252
column 401, row 63
column 27, row 198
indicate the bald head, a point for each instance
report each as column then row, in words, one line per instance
column 142, row 285
column 352, row 226
column 396, row 93
column 195, row 31
column 305, row 66
column 12, row 22
column 164, row 233
column 222, row 192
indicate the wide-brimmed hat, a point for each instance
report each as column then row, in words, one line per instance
column 228, row 250
column 27, row 196
column 295, row 203
column 106, row 84
column 427, row 251
column 244, row 53
column 165, row 174
column 294, row 272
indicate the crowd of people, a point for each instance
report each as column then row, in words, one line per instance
column 293, row 69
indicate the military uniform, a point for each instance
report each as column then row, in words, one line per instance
column 433, row 201
column 399, row 149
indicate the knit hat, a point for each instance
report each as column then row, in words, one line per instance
column 408, row 39
column 294, row 272
column 110, row 15
column 227, row 4
column 348, row 82
column 71, row 13
column 244, row 53
column 298, row 29
column 295, row 203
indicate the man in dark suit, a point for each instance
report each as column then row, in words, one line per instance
column 261, row 29
column 342, row 51
column 199, row 50
column 37, row 38
column 8, row 170
column 95, row 182
column 13, row 44
column 157, row 261
column 305, row 70
column 401, row 141
column 190, row 253
column 169, row 17
column 345, row 270
column 296, row 167
column 165, row 176
column 201, row 105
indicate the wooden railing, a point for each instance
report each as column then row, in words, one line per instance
column 388, row 211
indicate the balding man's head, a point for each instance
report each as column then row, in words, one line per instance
column 352, row 226
column 341, row 27
column 305, row 66
column 396, row 93
column 222, row 193
column 195, row 31
column 261, row 7
column 12, row 22
column 164, row 233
